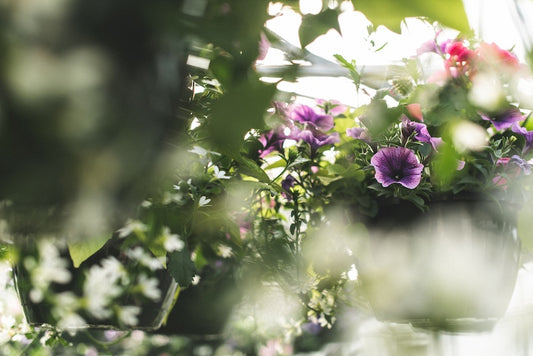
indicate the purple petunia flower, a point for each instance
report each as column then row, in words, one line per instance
column 505, row 119
column 286, row 185
column 409, row 127
column 315, row 138
column 358, row 133
column 521, row 163
column 512, row 167
column 310, row 118
column 397, row 165
column 272, row 141
column 528, row 135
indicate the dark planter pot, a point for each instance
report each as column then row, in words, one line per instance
column 44, row 313
column 453, row 268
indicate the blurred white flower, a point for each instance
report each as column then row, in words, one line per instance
column 144, row 258
column 487, row 91
column 51, row 268
column 199, row 151
column 132, row 226
column 71, row 321
column 203, row 201
column 128, row 314
column 102, row 286
column 172, row 242
column 224, row 251
column 148, row 287
column 468, row 136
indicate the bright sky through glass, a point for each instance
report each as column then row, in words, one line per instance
column 492, row 19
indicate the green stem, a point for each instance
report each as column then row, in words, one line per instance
column 31, row 344
column 106, row 345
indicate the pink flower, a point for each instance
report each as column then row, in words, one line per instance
column 459, row 59
column 415, row 111
column 331, row 107
column 494, row 55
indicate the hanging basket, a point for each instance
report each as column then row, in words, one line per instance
column 453, row 268
column 115, row 288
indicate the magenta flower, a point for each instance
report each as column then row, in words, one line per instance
column 311, row 119
column 505, row 119
column 397, row 165
column 409, row 127
column 528, row 135
column 458, row 58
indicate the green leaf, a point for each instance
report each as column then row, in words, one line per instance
column 181, row 268
column 390, row 13
column 445, row 165
column 299, row 162
column 351, row 66
column 315, row 25
column 237, row 111
column 250, row 168
column 82, row 250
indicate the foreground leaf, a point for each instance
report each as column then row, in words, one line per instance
column 315, row 25
column 390, row 13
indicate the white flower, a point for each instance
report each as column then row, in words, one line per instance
column 199, row 151
column 149, row 288
column 51, row 268
column 132, row 226
column 353, row 274
column 224, row 251
column 144, row 258
column 203, row 201
column 128, row 315
column 71, row 321
column 172, row 242
column 195, row 280
column 220, row 174
column 102, row 286
column 146, row 204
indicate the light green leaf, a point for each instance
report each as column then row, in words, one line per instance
column 82, row 250
column 315, row 25
column 390, row 13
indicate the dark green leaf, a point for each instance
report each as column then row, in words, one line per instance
column 238, row 111
column 315, row 25
column 181, row 268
